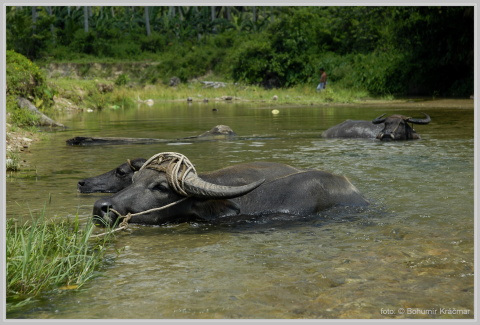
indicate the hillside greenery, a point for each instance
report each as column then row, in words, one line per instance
column 25, row 79
column 391, row 50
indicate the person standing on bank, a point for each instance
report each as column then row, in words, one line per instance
column 323, row 80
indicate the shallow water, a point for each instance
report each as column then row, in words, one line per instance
column 408, row 255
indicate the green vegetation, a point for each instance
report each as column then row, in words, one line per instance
column 25, row 79
column 44, row 255
column 390, row 50
column 12, row 163
column 86, row 94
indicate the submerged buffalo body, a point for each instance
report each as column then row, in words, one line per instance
column 394, row 127
column 256, row 188
column 353, row 129
column 219, row 132
column 112, row 181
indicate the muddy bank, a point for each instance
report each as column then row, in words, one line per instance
column 17, row 145
column 19, row 140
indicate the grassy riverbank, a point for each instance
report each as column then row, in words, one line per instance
column 102, row 93
column 97, row 94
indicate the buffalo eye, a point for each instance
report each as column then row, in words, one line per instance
column 120, row 172
column 161, row 187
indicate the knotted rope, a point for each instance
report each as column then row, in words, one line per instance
column 176, row 171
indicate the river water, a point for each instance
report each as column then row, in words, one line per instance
column 408, row 255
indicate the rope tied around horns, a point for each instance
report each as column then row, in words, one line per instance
column 176, row 171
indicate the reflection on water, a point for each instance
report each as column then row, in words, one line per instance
column 412, row 248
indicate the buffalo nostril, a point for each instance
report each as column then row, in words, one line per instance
column 101, row 213
column 106, row 207
column 81, row 183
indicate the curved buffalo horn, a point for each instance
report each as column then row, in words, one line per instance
column 425, row 120
column 379, row 119
column 197, row 187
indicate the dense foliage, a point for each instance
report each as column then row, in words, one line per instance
column 25, row 79
column 384, row 50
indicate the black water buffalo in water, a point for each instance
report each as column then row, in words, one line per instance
column 219, row 132
column 394, row 127
column 111, row 181
column 167, row 189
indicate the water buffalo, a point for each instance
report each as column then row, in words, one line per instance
column 394, row 127
column 167, row 189
column 219, row 132
column 112, row 181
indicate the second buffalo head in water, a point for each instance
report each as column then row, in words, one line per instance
column 113, row 180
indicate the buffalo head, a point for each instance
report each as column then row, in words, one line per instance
column 397, row 127
column 219, row 131
column 112, row 181
column 164, row 179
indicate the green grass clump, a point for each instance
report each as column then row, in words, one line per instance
column 12, row 163
column 43, row 255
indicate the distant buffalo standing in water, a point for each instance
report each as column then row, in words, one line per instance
column 394, row 127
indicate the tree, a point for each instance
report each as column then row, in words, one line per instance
column 52, row 28
column 34, row 18
column 85, row 19
column 437, row 43
column 147, row 21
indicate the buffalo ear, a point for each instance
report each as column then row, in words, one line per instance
column 214, row 209
column 137, row 163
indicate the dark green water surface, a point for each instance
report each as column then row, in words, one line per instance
column 409, row 255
